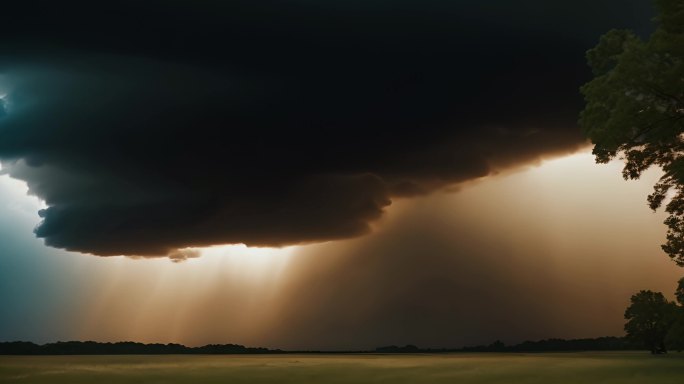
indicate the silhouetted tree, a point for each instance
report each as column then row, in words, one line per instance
column 635, row 110
column 679, row 292
column 675, row 336
column 674, row 339
column 650, row 317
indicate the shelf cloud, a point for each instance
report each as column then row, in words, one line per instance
column 149, row 128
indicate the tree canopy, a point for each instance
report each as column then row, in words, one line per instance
column 635, row 111
column 679, row 292
column 675, row 336
column 649, row 319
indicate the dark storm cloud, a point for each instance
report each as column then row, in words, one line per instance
column 149, row 127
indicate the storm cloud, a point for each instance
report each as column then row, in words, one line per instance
column 149, row 128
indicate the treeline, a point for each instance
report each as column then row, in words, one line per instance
column 122, row 348
column 548, row 345
column 133, row 348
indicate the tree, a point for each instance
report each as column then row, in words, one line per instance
column 675, row 336
column 674, row 339
column 635, row 110
column 649, row 318
column 679, row 292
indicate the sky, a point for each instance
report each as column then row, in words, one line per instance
column 313, row 175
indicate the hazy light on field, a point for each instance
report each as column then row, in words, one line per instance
column 561, row 368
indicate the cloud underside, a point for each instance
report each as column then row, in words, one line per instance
column 270, row 133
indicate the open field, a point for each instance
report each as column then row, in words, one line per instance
column 596, row 367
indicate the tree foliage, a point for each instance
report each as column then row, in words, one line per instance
column 674, row 339
column 679, row 292
column 675, row 336
column 635, row 111
column 649, row 319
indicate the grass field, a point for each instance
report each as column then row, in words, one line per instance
column 584, row 368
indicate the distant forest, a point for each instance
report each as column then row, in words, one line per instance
column 132, row 348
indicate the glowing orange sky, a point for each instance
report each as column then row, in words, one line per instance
column 570, row 238
column 568, row 241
